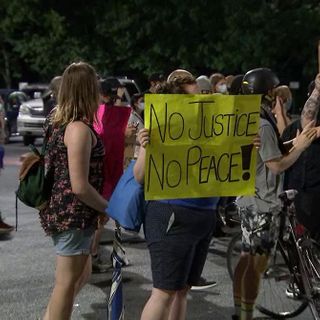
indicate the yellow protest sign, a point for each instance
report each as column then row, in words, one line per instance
column 200, row 145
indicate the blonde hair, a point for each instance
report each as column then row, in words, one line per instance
column 283, row 92
column 78, row 97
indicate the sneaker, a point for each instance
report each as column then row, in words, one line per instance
column 203, row 284
column 98, row 266
column 4, row 227
column 293, row 292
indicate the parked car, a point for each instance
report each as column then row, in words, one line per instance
column 30, row 120
column 31, row 115
column 34, row 90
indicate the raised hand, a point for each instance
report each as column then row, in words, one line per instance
column 303, row 140
column 143, row 137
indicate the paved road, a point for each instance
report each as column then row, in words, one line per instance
column 27, row 268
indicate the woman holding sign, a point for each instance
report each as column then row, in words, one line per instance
column 178, row 234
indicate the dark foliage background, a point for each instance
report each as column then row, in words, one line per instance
column 38, row 38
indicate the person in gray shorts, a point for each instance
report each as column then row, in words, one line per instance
column 262, row 209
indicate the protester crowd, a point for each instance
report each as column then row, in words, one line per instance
column 93, row 135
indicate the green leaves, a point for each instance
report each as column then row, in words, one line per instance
column 40, row 38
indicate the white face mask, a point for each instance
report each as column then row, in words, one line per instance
column 222, row 88
column 141, row 106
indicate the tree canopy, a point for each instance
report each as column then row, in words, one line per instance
column 138, row 37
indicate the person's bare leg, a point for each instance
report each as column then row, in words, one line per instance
column 250, row 284
column 237, row 281
column 84, row 278
column 46, row 315
column 68, row 272
column 158, row 305
column 178, row 308
column 96, row 240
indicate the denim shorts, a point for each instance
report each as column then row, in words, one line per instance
column 73, row 242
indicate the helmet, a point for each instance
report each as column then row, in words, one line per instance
column 259, row 81
column 235, row 86
column 204, row 84
column 178, row 73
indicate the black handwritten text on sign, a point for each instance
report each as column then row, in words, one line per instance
column 200, row 145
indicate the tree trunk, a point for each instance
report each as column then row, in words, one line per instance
column 6, row 73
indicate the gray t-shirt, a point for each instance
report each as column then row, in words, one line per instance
column 268, row 186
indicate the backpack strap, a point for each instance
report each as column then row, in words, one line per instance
column 27, row 163
column 46, row 139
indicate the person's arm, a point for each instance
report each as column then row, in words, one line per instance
column 301, row 143
column 118, row 101
column 139, row 167
column 280, row 114
column 312, row 105
column 78, row 140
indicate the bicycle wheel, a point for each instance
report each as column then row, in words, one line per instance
column 274, row 299
column 233, row 253
column 309, row 267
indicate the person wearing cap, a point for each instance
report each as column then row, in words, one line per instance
column 261, row 211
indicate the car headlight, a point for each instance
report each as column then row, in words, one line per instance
column 24, row 109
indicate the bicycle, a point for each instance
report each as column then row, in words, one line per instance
column 291, row 281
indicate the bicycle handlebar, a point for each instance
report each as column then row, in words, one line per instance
column 288, row 195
